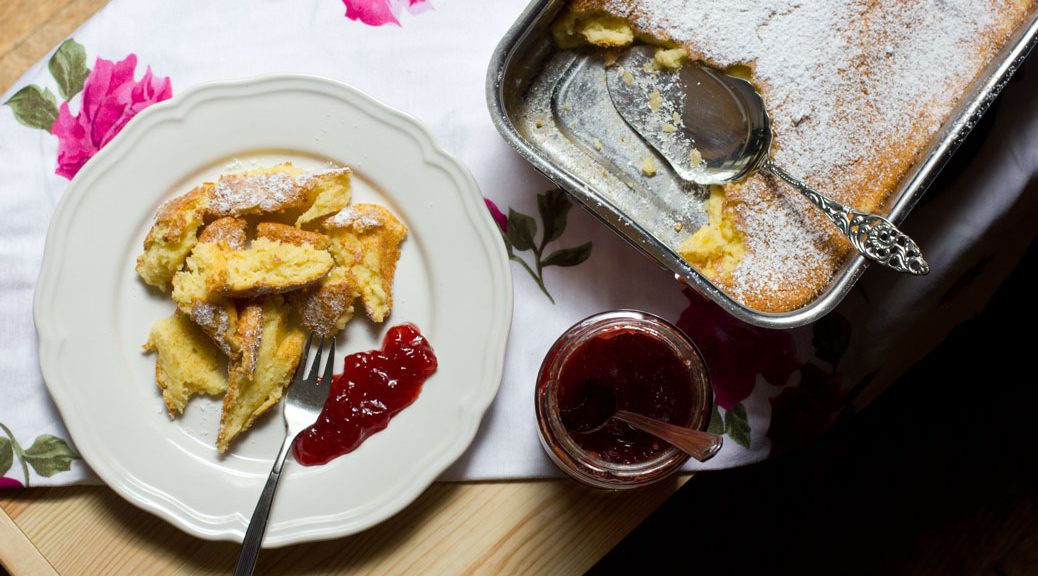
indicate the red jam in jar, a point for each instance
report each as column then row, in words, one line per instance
column 625, row 369
column 619, row 360
column 373, row 387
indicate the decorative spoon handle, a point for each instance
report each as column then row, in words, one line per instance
column 873, row 236
column 700, row 445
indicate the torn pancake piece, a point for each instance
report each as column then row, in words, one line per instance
column 172, row 237
column 217, row 316
column 365, row 239
column 332, row 193
column 258, row 378
column 188, row 362
column 327, row 307
column 267, row 267
column 280, row 189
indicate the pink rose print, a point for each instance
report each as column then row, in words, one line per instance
column 9, row 483
column 498, row 215
column 382, row 12
column 111, row 98
column 736, row 352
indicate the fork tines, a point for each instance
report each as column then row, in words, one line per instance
column 313, row 388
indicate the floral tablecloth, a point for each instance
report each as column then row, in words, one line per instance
column 774, row 389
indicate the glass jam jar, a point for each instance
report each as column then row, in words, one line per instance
column 623, row 359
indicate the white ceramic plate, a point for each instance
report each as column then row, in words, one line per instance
column 92, row 312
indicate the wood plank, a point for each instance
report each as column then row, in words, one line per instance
column 17, row 553
column 29, row 29
column 21, row 17
column 542, row 527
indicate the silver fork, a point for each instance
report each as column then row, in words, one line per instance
column 301, row 407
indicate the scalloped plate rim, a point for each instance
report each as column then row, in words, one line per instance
column 51, row 333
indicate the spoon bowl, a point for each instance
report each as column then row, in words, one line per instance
column 722, row 117
column 713, row 128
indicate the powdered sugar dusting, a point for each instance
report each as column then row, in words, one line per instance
column 351, row 217
column 837, row 75
column 331, row 169
column 789, row 250
column 214, row 321
column 262, row 193
column 855, row 89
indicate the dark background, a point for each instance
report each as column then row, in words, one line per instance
column 937, row 476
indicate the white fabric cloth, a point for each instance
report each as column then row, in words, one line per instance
column 433, row 67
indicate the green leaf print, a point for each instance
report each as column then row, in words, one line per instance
column 34, row 107
column 520, row 234
column 554, row 209
column 521, row 230
column 6, row 455
column 716, row 425
column 568, row 256
column 49, row 455
column 737, row 426
column 69, row 69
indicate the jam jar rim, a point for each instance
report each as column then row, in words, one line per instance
column 556, row 440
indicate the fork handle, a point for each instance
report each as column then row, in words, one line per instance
column 250, row 547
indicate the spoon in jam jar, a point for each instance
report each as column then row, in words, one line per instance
column 599, row 407
column 713, row 128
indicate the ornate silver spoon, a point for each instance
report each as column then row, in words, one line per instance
column 725, row 136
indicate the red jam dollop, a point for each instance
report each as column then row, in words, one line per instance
column 373, row 387
column 637, row 371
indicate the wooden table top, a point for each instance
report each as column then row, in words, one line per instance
column 542, row 527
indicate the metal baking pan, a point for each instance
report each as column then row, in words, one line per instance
column 533, row 90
